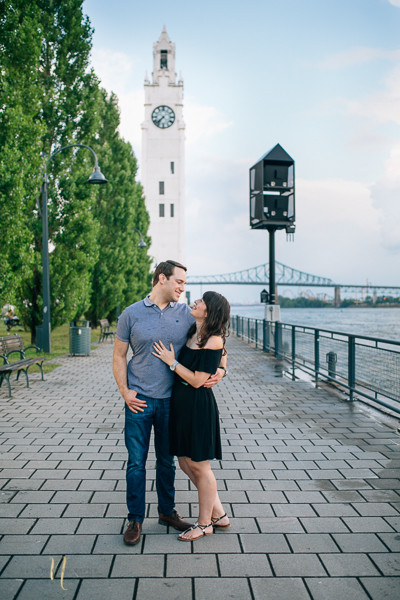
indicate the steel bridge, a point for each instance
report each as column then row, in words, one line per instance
column 285, row 276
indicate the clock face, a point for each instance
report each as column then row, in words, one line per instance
column 163, row 117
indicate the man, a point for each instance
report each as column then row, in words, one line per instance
column 146, row 385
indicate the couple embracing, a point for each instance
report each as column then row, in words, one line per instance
column 178, row 356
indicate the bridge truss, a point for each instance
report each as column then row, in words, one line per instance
column 285, row 276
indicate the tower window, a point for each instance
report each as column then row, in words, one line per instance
column 161, row 210
column 164, row 59
column 172, row 210
column 172, row 168
column 161, row 187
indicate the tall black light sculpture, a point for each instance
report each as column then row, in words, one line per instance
column 272, row 207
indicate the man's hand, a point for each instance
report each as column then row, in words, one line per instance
column 214, row 379
column 133, row 403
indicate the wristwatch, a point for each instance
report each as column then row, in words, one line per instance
column 226, row 371
column 173, row 366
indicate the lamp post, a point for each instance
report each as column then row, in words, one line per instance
column 96, row 178
column 141, row 244
column 272, row 207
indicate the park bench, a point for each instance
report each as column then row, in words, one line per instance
column 9, row 345
column 105, row 330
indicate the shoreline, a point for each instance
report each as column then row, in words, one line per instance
column 324, row 307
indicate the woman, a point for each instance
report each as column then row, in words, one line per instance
column 194, row 418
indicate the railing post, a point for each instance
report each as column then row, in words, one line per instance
column 316, row 354
column 265, row 336
column 238, row 327
column 256, row 332
column 248, row 330
column 293, row 352
column 352, row 366
column 277, row 335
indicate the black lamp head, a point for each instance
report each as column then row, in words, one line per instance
column 97, row 177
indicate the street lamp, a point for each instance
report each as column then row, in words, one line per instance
column 272, row 207
column 141, row 244
column 96, row 178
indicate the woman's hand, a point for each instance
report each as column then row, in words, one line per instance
column 167, row 356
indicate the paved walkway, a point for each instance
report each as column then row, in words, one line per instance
column 311, row 482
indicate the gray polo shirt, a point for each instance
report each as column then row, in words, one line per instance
column 142, row 324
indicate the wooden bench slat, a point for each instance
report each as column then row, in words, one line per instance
column 24, row 362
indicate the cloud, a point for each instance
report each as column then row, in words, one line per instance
column 202, row 121
column 384, row 106
column 113, row 68
column 116, row 71
column 366, row 138
column 357, row 56
column 385, row 197
column 395, row 3
column 339, row 227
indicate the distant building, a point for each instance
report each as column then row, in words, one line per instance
column 163, row 155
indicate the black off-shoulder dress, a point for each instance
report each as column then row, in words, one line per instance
column 194, row 419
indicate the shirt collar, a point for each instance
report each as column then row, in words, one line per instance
column 148, row 302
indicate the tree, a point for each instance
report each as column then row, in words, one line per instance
column 65, row 113
column 50, row 98
column 20, row 142
column 121, row 274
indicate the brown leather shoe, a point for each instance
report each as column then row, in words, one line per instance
column 175, row 521
column 132, row 534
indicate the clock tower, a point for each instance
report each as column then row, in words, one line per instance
column 163, row 155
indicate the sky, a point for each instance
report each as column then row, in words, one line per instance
column 320, row 77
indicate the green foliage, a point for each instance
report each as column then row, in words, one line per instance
column 50, row 106
column 20, row 141
column 121, row 275
column 302, row 302
column 49, row 98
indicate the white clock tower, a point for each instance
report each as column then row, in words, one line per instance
column 163, row 155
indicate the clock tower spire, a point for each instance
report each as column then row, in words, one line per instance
column 163, row 154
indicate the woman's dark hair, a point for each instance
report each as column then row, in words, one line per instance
column 217, row 320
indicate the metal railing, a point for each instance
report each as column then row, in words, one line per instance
column 362, row 365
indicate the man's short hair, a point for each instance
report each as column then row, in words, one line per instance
column 166, row 268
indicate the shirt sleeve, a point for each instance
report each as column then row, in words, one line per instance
column 124, row 327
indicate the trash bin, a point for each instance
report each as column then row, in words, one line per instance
column 80, row 337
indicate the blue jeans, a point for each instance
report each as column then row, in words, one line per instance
column 137, row 439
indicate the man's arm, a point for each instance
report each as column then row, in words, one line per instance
column 219, row 374
column 120, row 370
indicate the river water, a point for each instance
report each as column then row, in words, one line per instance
column 375, row 322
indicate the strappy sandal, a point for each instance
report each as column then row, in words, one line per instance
column 195, row 526
column 215, row 521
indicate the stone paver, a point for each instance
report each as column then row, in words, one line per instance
column 312, row 484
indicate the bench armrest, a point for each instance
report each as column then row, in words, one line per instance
column 21, row 354
column 29, row 347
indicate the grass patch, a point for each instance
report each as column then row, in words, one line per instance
column 59, row 345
